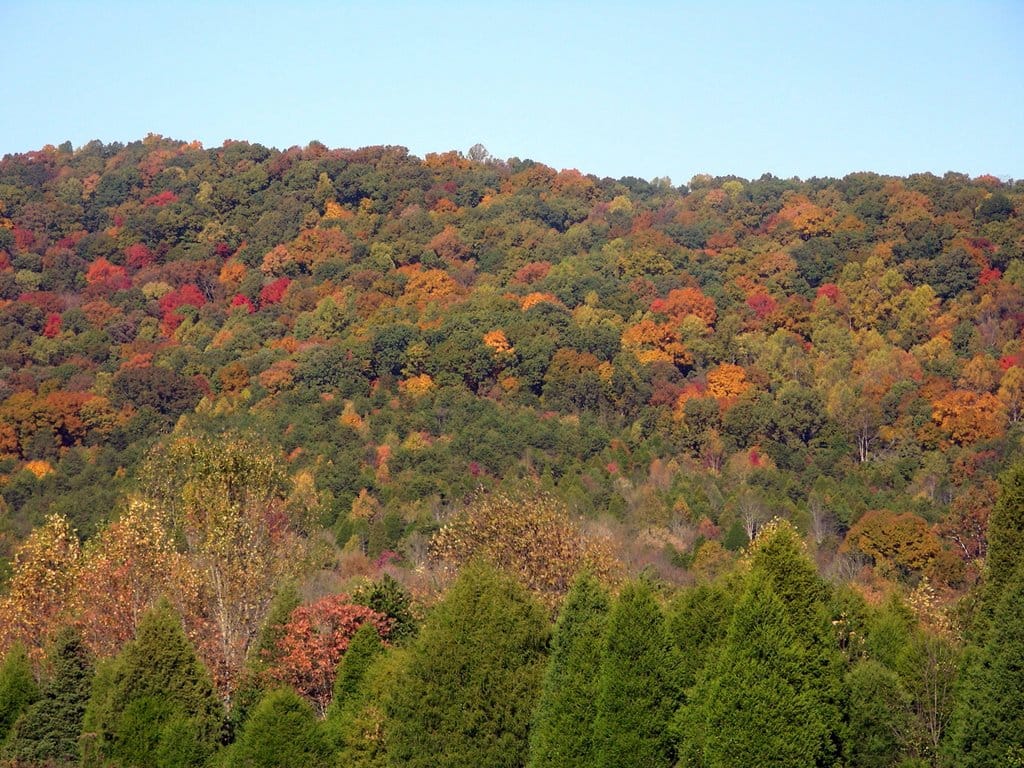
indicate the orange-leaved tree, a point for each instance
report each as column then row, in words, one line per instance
column 313, row 641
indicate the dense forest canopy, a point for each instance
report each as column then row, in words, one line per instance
column 271, row 397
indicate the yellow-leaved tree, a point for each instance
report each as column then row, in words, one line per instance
column 231, row 505
column 530, row 537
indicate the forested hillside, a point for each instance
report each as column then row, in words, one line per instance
column 255, row 403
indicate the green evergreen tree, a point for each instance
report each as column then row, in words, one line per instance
column 48, row 730
column 357, row 727
column 755, row 706
column 987, row 728
column 282, row 731
column 364, row 647
column 563, row 724
column 472, row 678
column 778, row 555
column 878, row 716
column 18, row 688
column 697, row 622
column 143, row 701
column 388, row 596
column 636, row 696
column 1005, row 544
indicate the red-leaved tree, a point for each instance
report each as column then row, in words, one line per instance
column 313, row 642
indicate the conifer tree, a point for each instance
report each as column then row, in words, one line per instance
column 282, row 731
column 779, row 662
column 878, row 716
column 563, row 725
column 18, row 688
column 472, row 680
column 252, row 683
column 48, row 730
column 1005, row 544
column 778, row 554
column 363, row 649
column 389, row 597
column 697, row 622
column 356, row 729
column 755, row 706
column 636, row 697
column 988, row 718
column 154, row 691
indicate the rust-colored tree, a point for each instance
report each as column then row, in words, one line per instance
column 967, row 417
column 125, row 569
column 897, row 543
column 314, row 640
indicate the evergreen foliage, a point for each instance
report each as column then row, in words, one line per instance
column 1005, row 540
column 472, row 680
column 357, row 728
column 755, row 705
column 363, row 649
column 636, row 697
column 697, row 622
column 253, row 682
column 47, row 733
column 282, row 731
column 390, row 598
column 563, row 725
column 154, row 690
column 988, row 720
column 878, row 716
column 18, row 688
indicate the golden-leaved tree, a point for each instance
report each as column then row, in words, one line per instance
column 244, row 530
column 530, row 537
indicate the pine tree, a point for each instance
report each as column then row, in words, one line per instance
column 563, row 725
column 778, row 555
column 1005, row 544
column 48, row 731
column 153, row 692
column 362, row 650
column 472, row 679
column 755, row 706
column 356, row 729
column 252, row 683
column 697, row 622
column 389, row 597
column 988, row 719
column 636, row 696
column 282, row 731
column 878, row 716
column 18, row 688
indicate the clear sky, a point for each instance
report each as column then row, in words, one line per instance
column 643, row 89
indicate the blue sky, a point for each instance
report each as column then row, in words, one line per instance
column 646, row 89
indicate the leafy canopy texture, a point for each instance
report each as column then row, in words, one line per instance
column 473, row 678
column 532, row 539
column 563, row 725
